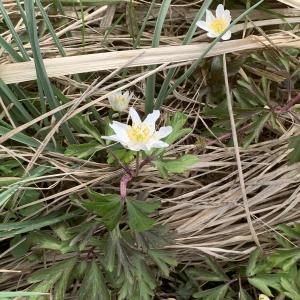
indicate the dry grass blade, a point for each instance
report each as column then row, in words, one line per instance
column 21, row 72
column 293, row 3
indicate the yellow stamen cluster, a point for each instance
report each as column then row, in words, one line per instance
column 121, row 99
column 140, row 133
column 218, row 25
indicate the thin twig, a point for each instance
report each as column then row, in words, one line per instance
column 237, row 154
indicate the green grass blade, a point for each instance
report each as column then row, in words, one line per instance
column 50, row 28
column 5, row 90
column 40, row 68
column 36, row 224
column 88, row 2
column 26, row 99
column 139, row 35
column 13, row 32
column 150, row 89
column 25, row 139
column 10, row 50
column 20, row 294
column 7, row 194
column 187, row 39
column 195, row 64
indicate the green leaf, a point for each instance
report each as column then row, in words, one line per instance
column 289, row 232
column 179, row 165
column 256, row 128
column 85, row 150
column 58, row 273
column 217, row 293
column 250, row 271
column 177, row 123
column 28, row 197
column 47, row 241
column 123, row 155
column 108, row 206
column 290, row 289
column 209, row 276
column 244, row 295
column 214, row 266
column 138, row 214
column 88, row 127
column 93, row 286
column 163, row 260
column 264, row 281
column 62, row 285
column 48, row 273
column 284, row 258
column 21, row 248
column 294, row 143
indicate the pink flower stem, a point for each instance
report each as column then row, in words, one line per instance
column 129, row 175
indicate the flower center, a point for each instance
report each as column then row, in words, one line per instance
column 218, row 25
column 121, row 99
column 140, row 133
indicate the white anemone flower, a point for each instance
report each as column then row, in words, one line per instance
column 119, row 101
column 215, row 25
column 263, row 297
column 140, row 135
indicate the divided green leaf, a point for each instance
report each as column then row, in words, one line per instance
column 108, row 206
column 138, row 214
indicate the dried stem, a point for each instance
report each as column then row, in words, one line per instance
column 237, row 154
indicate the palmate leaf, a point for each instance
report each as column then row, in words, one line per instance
column 163, row 260
column 93, row 286
column 138, row 214
column 47, row 278
column 108, row 206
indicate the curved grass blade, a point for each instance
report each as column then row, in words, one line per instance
column 13, row 32
column 150, row 89
column 44, row 81
column 187, row 39
column 5, row 90
column 10, row 50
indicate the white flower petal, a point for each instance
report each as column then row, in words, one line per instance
column 227, row 16
column 152, row 118
column 159, row 144
column 120, row 130
column 163, row 132
column 134, row 116
column 211, row 34
column 226, row 36
column 209, row 16
column 203, row 25
column 118, row 126
column 114, row 138
column 220, row 11
column 136, row 146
